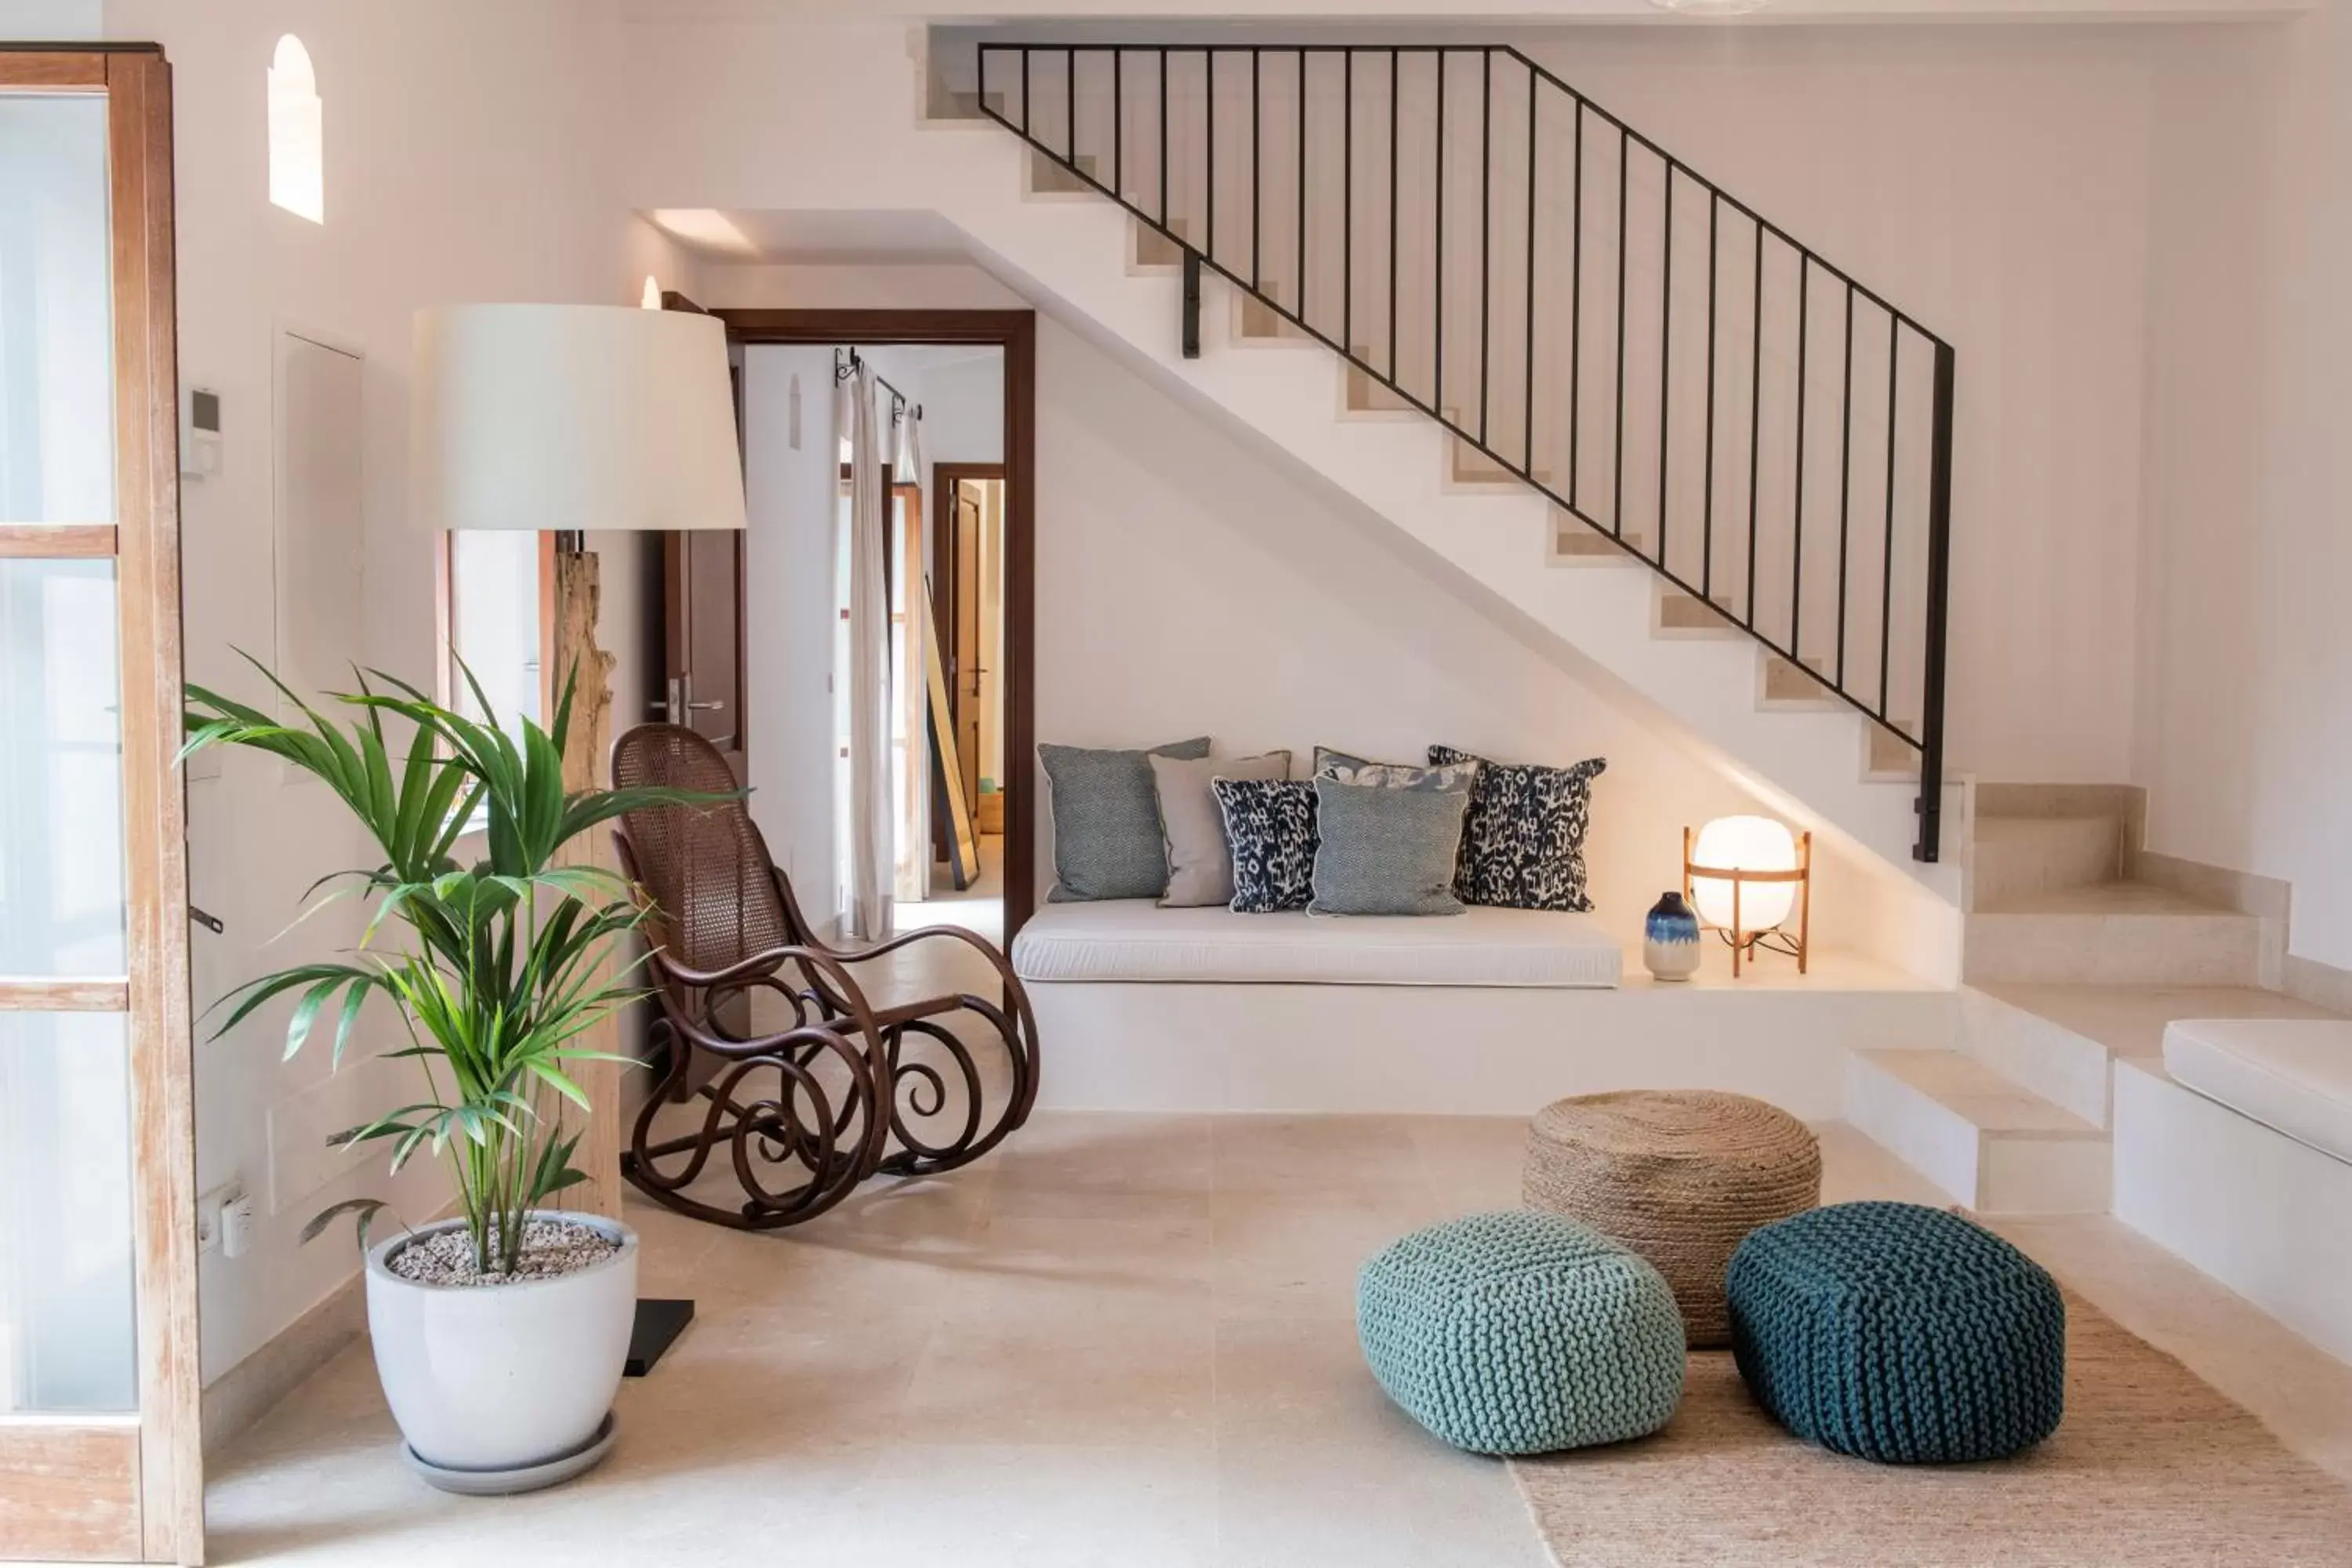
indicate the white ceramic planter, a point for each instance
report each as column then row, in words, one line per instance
column 492, row 1378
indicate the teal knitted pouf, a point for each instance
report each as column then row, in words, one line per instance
column 1521, row 1332
column 1899, row 1334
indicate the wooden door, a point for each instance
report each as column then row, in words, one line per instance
column 704, row 667
column 99, row 1445
column 960, row 581
column 702, row 637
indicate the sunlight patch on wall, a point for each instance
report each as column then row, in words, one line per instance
column 297, row 157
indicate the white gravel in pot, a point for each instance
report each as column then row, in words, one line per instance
column 551, row 1249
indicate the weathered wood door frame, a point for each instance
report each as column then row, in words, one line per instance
column 131, row 1488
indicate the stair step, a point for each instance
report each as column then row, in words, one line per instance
column 2129, row 1020
column 1988, row 1142
column 1367, row 393
column 1574, row 540
column 2065, row 1067
column 2112, row 933
column 2017, row 856
column 1473, row 466
column 1787, row 682
column 1889, row 757
column 1256, row 321
column 1049, row 177
column 1153, row 249
column 1682, row 613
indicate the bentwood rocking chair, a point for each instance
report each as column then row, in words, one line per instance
column 809, row 1089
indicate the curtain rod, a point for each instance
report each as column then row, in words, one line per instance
column 899, row 402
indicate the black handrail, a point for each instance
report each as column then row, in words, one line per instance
column 1076, row 102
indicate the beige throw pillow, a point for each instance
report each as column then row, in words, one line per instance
column 1200, row 860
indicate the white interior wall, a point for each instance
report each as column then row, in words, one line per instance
column 452, row 174
column 2244, row 736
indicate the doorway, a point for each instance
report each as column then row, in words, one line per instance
column 957, row 560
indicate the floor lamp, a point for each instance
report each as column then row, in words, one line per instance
column 578, row 419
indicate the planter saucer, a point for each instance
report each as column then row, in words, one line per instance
column 524, row 1478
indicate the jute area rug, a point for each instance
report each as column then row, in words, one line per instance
column 2151, row 1468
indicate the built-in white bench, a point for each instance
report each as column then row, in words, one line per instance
column 1135, row 941
column 2235, row 1151
column 1491, row 1012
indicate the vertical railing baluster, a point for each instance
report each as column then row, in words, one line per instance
column 1755, row 429
column 1070, row 95
column 1163, row 141
column 1395, row 157
column 1118, row 123
column 1437, row 226
column 1025, row 90
column 1617, row 465
column 1485, row 226
column 1886, row 562
column 1302, row 184
column 1257, row 167
column 1529, row 409
column 1665, row 359
column 1845, row 478
column 1707, row 524
column 1797, row 502
column 1939, row 553
column 1209, row 158
column 1575, row 312
column 1348, row 203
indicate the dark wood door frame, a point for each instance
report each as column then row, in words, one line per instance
column 1014, row 331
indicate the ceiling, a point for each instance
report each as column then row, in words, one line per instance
column 975, row 12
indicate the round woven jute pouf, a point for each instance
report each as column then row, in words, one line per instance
column 1680, row 1176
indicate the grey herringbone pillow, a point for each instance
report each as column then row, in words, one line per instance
column 1107, row 835
column 1387, row 840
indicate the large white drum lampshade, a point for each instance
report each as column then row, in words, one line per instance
column 586, row 417
column 1744, row 844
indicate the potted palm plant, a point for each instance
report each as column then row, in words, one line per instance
column 500, row 1333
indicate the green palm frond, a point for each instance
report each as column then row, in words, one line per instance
column 494, row 969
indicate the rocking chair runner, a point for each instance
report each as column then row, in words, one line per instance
column 807, row 1111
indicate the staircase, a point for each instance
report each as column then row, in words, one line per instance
column 1605, row 344
column 1629, row 407
column 2071, row 965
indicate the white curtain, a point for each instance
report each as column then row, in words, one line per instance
column 913, row 698
column 867, row 912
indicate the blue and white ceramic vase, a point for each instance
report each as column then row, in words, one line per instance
column 1670, row 947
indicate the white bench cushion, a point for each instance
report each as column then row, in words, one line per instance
column 2292, row 1075
column 1134, row 940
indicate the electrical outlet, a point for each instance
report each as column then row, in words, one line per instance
column 211, row 1212
column 236, row 1226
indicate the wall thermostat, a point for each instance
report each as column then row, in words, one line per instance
column 200, row 432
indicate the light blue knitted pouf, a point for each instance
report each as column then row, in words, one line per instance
column 1521, row 1332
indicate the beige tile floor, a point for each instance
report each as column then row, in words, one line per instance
column 1122, row 1341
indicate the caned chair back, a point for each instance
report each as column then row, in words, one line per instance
column 718, row 898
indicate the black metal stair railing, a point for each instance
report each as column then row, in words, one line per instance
column 1581, row 309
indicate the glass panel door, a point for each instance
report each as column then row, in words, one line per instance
column 98, row 1448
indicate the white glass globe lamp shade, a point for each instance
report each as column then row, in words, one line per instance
column 1744, row 844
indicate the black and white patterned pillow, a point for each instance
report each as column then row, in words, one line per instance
column 1270, row 823
column 1523, row 846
